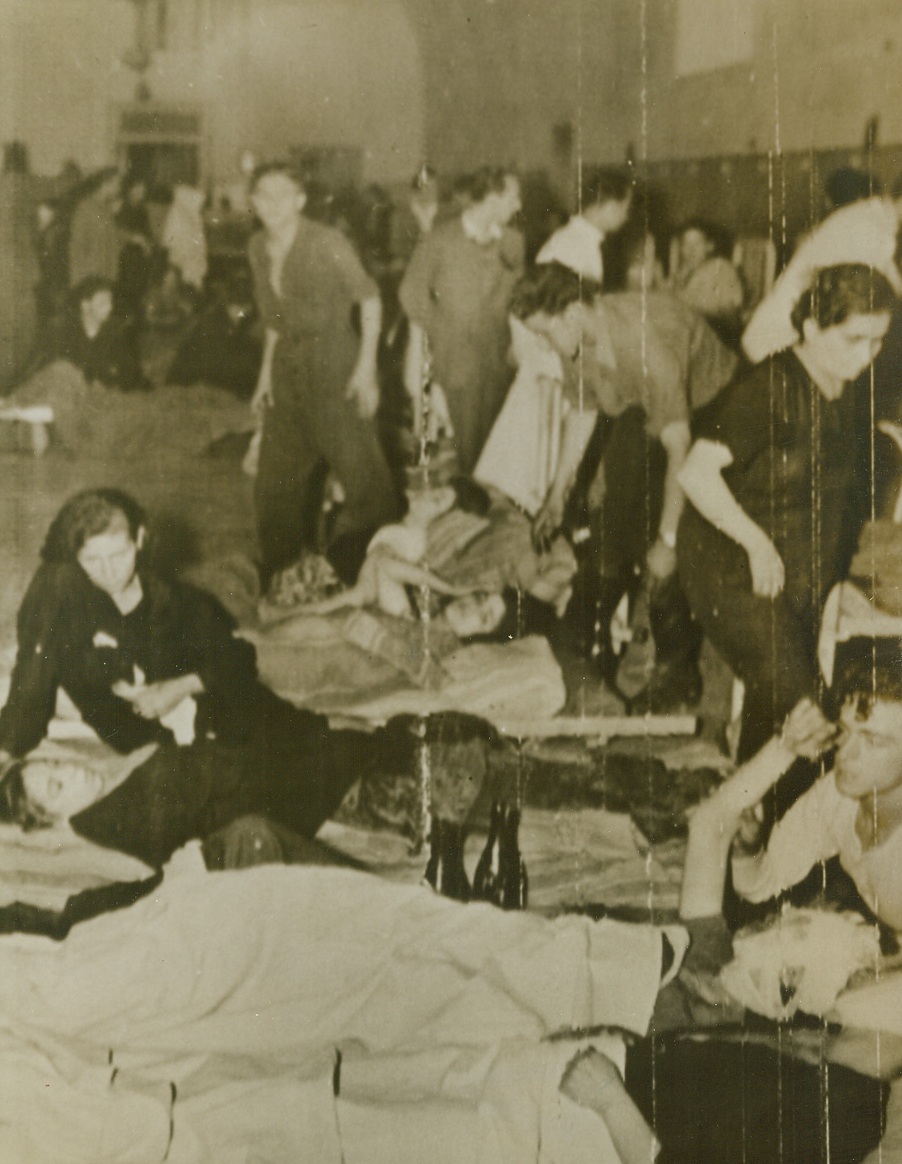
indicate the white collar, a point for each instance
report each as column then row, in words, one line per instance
column 589, row 230
column 466, row 221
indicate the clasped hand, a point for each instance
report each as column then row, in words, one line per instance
column 768, row 571
column 153, row 700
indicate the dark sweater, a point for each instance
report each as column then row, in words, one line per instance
column 72, row 636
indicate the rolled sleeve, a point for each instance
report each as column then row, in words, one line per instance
column 805, row 835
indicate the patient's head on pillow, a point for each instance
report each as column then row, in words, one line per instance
column 39, row 793
column 475, row 615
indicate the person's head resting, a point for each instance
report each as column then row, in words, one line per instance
column 38, row 793
column 493, row 196
column 92, row 298
column 277, row 194
column 868, row 688
column 102, row 531
column 555, row 303
column 700, row 240
column 477, row 615
column 841, row 321
column 606, row 196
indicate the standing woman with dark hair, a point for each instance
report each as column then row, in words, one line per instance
column 456, row 293
column 771, row 480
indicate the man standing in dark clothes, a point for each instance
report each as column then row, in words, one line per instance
column 317, row 389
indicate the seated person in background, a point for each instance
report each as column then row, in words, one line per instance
column 863, row 232
column 395, row 557
column 643, row 363
column 706, row 279
column 130, row 648
column 223, row 346
column 95, row 339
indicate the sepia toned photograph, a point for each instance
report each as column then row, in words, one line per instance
column 450, row 582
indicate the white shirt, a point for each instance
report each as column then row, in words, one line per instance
column 576, row 245
column 820, row 825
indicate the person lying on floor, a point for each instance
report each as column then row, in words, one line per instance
column 145, row 660
column 155, row 800
column 95, row 339
column 431, row 1031
column 413, row 647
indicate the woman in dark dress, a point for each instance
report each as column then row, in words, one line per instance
column 771, row 481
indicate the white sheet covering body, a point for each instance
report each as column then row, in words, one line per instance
column 202, row 1024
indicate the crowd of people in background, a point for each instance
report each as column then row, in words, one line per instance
column 568, row 362
column 594, row 374
column 704, row 450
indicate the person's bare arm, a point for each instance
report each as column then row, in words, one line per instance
column 701, row 478
column 719, row 820
column 262, row 398
column 154, row 700
column 592, row 1081
column 661, row 558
